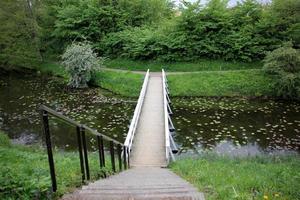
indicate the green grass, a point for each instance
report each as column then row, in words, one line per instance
column 221, row 83
column 250, row 82
column 242, row 178
column 201, row 65
column 122, row 83
column 24, row 171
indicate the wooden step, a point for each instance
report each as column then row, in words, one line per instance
column 144, row 183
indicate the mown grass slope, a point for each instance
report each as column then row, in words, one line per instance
column 221, row 83
column 200, row 65
column 223, row 178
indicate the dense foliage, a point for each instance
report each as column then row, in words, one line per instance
column 284, row 64
column 245, row 32
column 20, row 36
column 80, row 60
column 35, row 30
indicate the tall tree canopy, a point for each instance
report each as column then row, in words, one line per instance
column 146, row 29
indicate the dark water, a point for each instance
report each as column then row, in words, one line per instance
column 237, row 126
column 21, row 96
column 229, row 126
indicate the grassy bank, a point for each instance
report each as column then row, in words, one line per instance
column 24, row 171
column 221, row 83
column 242, row 178
column 200, row 65
column 123, row 83
column 251, row 82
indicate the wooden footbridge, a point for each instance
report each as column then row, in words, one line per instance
column 147, row 151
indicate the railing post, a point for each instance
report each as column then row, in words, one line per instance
column 120, row 156
column 128, row 158
column 85, row 152
column 124, row 157
column 49, row 149
column 112, row 155
column 100, row 151
column 80, row 152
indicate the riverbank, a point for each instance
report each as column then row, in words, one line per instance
column 124, row 83
column 196, row 66
column 24, row 171
column 263, row 177
column 207, row 78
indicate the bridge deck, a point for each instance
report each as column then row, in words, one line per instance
column 149, row 142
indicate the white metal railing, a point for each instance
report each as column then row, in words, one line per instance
column 170, row 144
column 136, row 115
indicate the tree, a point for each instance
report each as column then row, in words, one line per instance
column 80, row 60
column 19, row 38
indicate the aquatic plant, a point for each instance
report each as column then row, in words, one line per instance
column 80, row 60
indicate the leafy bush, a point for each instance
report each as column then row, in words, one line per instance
column 79, row 60
column 284, row 64
column 245, row 32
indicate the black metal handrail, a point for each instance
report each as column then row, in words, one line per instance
column 82, row 147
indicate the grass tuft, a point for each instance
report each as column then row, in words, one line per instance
column 4, row 140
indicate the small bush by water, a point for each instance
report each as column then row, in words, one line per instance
column 24, row 171
column 223, row 178
column 80, row 61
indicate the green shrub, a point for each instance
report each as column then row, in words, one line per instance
column 4, row 139
column 284, row 65
column 79, row 60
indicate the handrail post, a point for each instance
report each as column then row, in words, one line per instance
column 120, row 156
column 100, row 151
column 124, row 157
column 79, row 141
column 128, row 158
column 85, row 152
column 49, row 149
column 112, row 155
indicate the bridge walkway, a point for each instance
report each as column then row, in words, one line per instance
column 149, row 142
column 147, row 179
